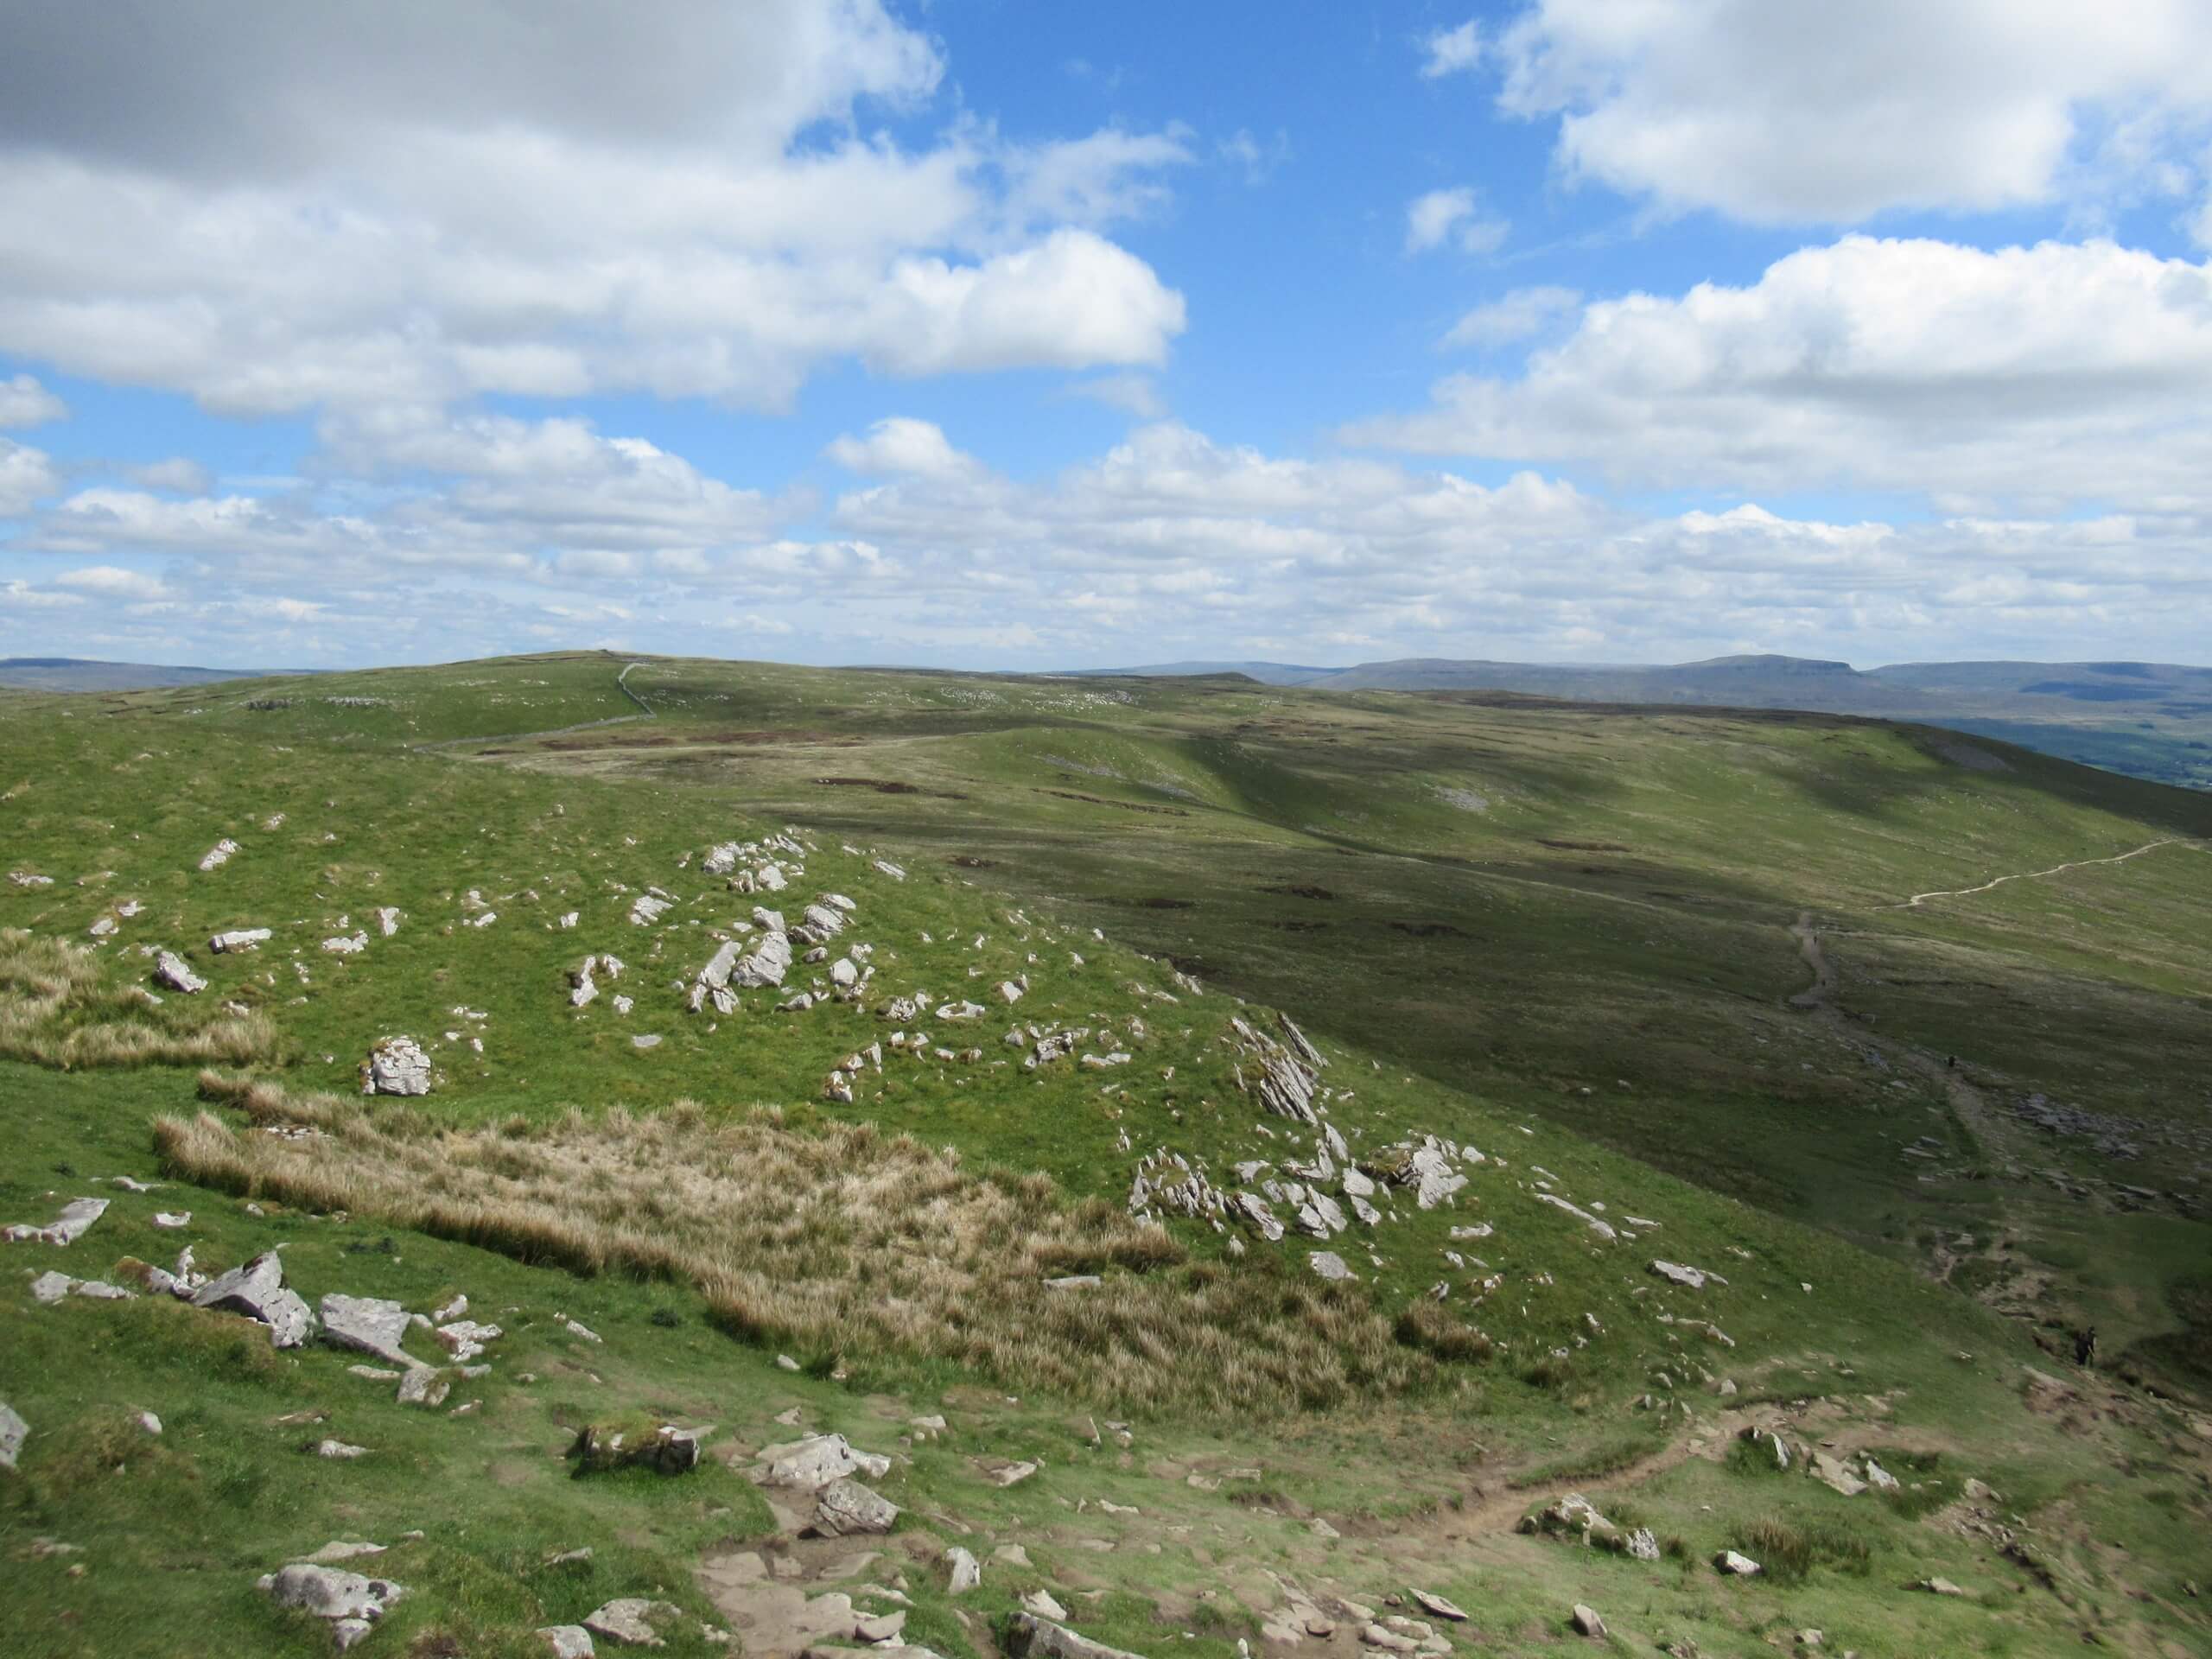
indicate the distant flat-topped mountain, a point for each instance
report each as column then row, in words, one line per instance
column 2152, row 719
column 85, row 674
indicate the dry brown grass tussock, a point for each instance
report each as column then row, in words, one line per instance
column 844, row 1242
column 56, row 1008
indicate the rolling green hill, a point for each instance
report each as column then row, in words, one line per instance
column 1895, row 1040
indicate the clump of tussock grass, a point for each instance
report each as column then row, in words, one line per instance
column 1789, row 1548
column 1425, row 1326
column 57, row 1010
column 843, row 1241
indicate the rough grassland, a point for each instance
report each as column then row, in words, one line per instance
column 1560, row 936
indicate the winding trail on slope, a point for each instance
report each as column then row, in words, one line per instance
column 1918, row 898
column 1820, row 993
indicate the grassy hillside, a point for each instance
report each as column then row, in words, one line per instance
column 1558, row 943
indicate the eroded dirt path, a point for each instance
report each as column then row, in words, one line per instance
column 1820, row 993
column 1919, row 898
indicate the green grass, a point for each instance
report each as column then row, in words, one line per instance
column 1587, row 978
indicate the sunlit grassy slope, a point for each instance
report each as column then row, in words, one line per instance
column 1560, row 935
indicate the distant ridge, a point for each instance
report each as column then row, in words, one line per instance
column 87, row 673
column 1755, row 681
column 2150, row 720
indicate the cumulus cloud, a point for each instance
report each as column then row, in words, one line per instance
column 1450, row 51
column 2046, row 374
column 1451, row 216
column 1517, row 316
column 1790, row 114
column 1169, row 544
column 114, row 582
column 900, row 444
column 449, row 201
column 23, row 401
column 26, row 476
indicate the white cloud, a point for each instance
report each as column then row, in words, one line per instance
column 1834, row 114
column 1168, row 544
column 113, row 583
column 26, row 477
column 1111, row 175
column 1451, row 215
column 2062, row 371
column 1517, row 316
column 1073, row 301
column 450, row 201
column 1451, row 51
column 899, row 444
column 23, row 401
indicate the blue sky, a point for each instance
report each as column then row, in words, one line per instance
column 1028, row 335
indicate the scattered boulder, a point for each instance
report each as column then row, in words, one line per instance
column 567, row 1641
column 1941, row 1588
column 1028, row 1636
column 424, row 1385
column 75, row 1220
column 1571, row 1514
column 14, row 1431
column 1603, row 1228
column 367, row 1324
column 1688, row 1278
column 257, row 1291
column 1430, row 1602
column 1281, row 1081
column 845, row 1507
column 1641, row 1546
column 630, row 1620
column 963, row 1572
column 1330, row 1266
column 396, row 1066
column 239, row 939
column 1735, row 1566
column 219, row 854
column 668, row 1450
column 814, row 1462
column 1835, row 1474
column 172, row 971
column 1586, row 1622
column 339, row 1452
column 351, row 1602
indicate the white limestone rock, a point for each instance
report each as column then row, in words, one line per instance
column 368, row 1325
column 257, row 1291
column 396, row 1065
column 172, row 971
column 844, row 1507
column 76, row 1219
